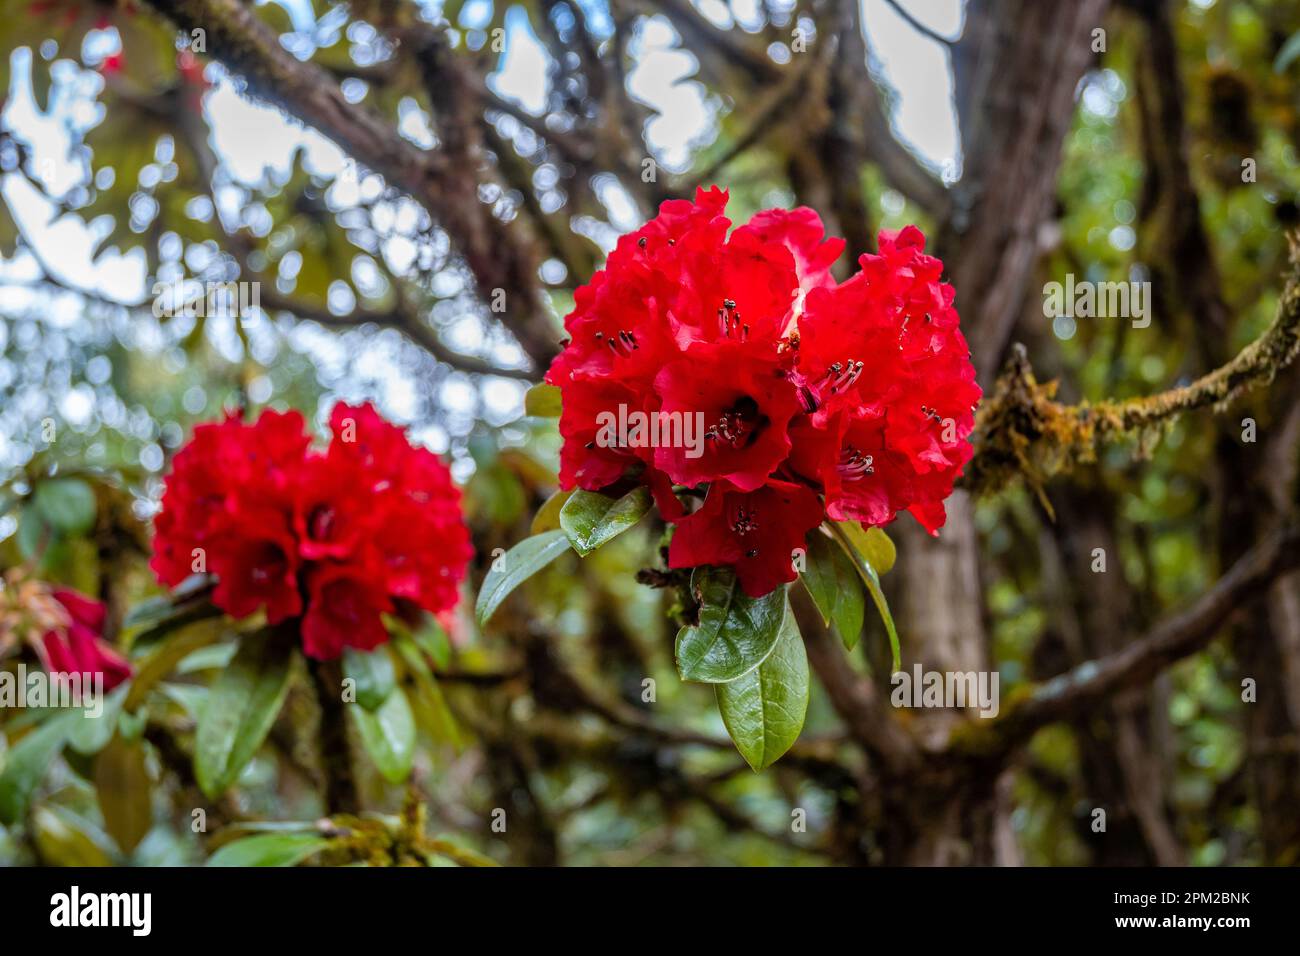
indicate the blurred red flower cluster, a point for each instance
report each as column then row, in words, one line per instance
column 847, row 400
column 337, row 537
column 78, row 647
column 63, row 626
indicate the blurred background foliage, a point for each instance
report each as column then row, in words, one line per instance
column 130, row 163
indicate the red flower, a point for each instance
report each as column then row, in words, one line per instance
column 755, row 532
column 343, row 611
column 859, row 394
column 335, row 537
column 743, row 403
column 79, row 647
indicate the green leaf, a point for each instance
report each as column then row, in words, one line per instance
column 1289, row 53
column 834, row 585
column 882, row 606
column 34, row 533
column 166, row 657
column 63, row 838
column 90, row 733
column 269, row 849
column 764, row 710
column 438, row 718
column 548, row 515
column 735, row 632
column 388, row 735
column 242, row 705
column 373, row 673
column 434, row 641
column 66, row 504
column 190, row 698
column 871, row 543
column 542, row 400
column 514, row 568
column 872, row 582
column 123, row 787
column 591, row 519
column 26, row 762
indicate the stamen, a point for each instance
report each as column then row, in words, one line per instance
column 854, row 465
column 807, row 399
column 840, row 375
column 745, row 522
column 737, row 424
column 624, row 344
column 729, row 320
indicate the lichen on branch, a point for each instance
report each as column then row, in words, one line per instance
column 1022, row 432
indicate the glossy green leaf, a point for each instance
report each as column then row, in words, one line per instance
column 872, row 582
column 516, row 566
column 373, row 673
column 241, row 706
column 542, row 400
column 833, row 583
column 388, row 735
column 590, row 519
column 734, row 633
column 269, row 849
column 764, row 710
column 26, row 763
column 871, row 543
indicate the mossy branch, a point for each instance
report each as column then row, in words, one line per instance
column 1021, row 432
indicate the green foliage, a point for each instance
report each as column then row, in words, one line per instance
column 269, row 849
column 590, row 520
column 26, row 762
column 388, row 734
column 764, row 709
column 241, row 706
column 373, row 674
column 734, row 634
column 833, row 583
column 516, row 566
column 862, row 547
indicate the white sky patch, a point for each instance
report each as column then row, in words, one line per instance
column 522, row 75
column 252, row 140
column 918, row 68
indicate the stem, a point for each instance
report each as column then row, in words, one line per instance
column 335, row 752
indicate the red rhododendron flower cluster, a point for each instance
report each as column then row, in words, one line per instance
column 848, row 400
column 337, row 537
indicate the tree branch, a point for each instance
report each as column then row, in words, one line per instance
column 1021, row 431
column 496, row 253
column 1176, row 637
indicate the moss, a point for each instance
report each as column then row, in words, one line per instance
column 1021, row 432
